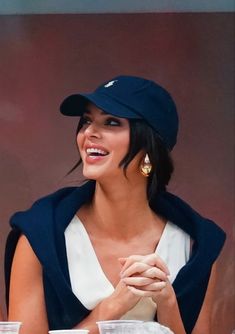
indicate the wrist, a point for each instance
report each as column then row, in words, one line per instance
column 166, row 298
column 166, row 302
column 110, row 309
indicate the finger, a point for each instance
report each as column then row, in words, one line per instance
column 138, row 292
column 154, row 272
column 152, row 259
column 141, row 293
column 155, row 260
column 135, row 268
column 138, row 281
column 130, row 260
column 154, row 287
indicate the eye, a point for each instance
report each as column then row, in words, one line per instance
column 85, row 120
column 112, row 122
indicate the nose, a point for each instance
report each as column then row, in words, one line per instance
column 92, row 130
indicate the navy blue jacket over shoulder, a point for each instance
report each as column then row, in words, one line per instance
column 44, row 225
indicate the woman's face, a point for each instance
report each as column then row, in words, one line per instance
column 103, row 142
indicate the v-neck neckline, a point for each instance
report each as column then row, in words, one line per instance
column 97, row 265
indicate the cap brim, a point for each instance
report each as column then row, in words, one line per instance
column 75, row 105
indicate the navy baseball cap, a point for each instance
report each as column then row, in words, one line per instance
column 133, row 98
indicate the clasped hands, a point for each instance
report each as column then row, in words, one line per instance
column 144, row 276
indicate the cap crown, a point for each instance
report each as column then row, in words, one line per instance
column 147, row 100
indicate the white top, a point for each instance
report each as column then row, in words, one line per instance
column 88, row 281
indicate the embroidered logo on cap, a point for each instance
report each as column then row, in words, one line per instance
column 110, row 83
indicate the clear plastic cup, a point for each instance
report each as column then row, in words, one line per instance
column 151, row 327
column 9, row 327
column 119, row 327
column 69, row 331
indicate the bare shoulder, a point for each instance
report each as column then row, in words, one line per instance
column 24, row 255
column 26, row 300
column 26, row 267
column 23, row 244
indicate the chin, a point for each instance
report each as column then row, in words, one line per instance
column 90, row 174
column 102, row 172
column 99, row 176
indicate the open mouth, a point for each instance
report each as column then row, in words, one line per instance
column 95, row 152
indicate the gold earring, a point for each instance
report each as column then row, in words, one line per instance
column 146, row 167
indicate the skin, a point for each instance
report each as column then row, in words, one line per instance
column 119, row 214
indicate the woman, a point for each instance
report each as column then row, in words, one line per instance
column 120, row 246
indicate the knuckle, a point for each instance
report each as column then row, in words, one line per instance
column 135, row 265
column 153, row 271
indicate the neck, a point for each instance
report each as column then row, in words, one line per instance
column 121, row 208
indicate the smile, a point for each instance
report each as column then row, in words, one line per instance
column 96, row 152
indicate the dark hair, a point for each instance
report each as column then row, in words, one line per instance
column 144, row 138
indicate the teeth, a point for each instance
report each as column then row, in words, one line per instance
column 95, row 150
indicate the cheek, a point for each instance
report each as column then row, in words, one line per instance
column 136, row 161
column 79, row 140
column 124, row 144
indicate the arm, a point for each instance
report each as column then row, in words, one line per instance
column 26, row 300
column 111, row 308
column 135, row 273
column 203, row 324
column 146, row 276
column 27, row 304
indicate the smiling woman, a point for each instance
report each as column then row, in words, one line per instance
column 103, row 141
column 120, row 246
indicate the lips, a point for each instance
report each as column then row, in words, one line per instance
column 96, row 152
